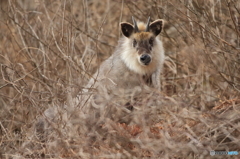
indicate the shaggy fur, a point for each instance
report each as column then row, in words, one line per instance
column 124, row 69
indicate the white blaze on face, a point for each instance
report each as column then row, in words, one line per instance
column 142, row 51
column 132, row 58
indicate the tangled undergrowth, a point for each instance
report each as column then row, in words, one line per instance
column 50, row 49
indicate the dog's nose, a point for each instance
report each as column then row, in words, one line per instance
column 145, row 59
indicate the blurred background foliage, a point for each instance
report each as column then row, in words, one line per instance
column 47, row 47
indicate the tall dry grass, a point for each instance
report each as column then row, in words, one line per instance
column 49, row 49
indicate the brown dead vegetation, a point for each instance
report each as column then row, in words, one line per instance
column 50, row 49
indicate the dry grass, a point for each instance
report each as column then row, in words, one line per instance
column 48, row 51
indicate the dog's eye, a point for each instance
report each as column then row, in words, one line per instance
column 134, row 42
column 151, row 41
